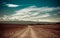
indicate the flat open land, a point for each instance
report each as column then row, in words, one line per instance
column 29, row 31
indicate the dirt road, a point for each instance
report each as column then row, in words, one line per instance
column 31, row 31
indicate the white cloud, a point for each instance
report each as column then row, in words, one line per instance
column 12, row 5
column 31, row 13
column 59, row 12
column 45, row 15
column 55, row 14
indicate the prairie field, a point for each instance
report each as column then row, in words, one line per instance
column 29, row 30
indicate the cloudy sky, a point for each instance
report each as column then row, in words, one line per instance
column 30, row 10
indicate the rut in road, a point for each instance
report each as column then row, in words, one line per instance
column 29, row 33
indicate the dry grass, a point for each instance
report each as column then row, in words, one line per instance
column 29, row 31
